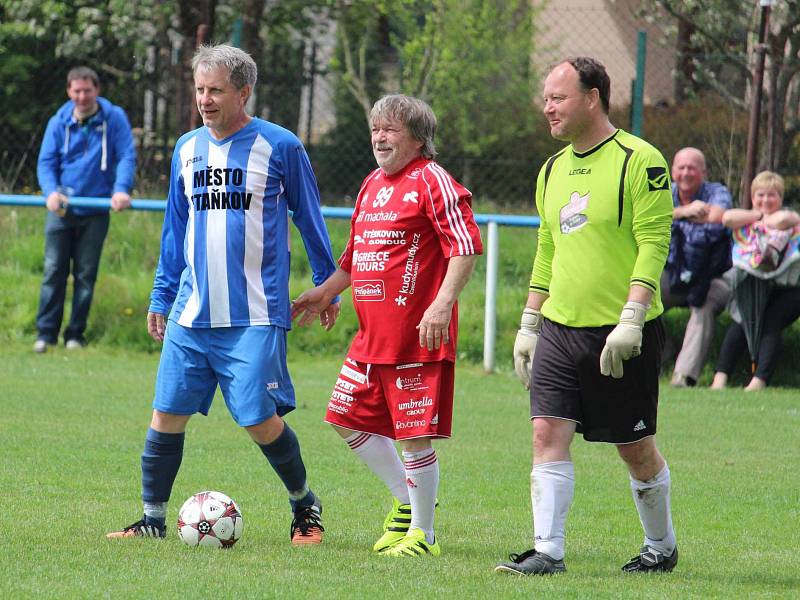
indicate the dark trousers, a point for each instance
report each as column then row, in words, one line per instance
column 783, row 308
column 72, row 244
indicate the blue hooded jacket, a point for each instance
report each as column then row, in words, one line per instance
column 96, row 159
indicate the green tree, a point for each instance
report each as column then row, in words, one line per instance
column 40, row 40
column 716, row 47
column 470, row 59
column 343, row 156
column 365, row 54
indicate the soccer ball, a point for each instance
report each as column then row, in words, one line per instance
column 210, row 519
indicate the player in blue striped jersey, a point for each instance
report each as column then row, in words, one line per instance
column 223, row 279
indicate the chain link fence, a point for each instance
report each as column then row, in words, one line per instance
column 311, row 100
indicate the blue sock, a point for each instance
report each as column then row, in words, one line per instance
column 284, row 456
column 161, row 460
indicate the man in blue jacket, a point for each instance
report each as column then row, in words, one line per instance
column 699, row 253
column 87, row 150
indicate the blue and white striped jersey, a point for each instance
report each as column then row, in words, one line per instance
column 225, row 252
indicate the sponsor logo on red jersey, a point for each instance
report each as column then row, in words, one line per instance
column 353, row 374
column 413, row 383
column 381, row 237
column 411, row 267
column 344, row 385
column 377, row 217
column 415, row 407
column 370, row 261
column 410, row 424
column 339, row 396
column 408, row 366
column 369, row 290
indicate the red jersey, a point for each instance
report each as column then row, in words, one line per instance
column 404, row 229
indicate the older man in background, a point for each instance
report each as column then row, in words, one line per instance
column 699, row 253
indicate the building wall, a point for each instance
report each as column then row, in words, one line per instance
column 606, row 30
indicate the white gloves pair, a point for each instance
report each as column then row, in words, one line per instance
column 623, row 343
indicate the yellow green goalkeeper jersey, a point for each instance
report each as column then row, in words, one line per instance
column 605, row 224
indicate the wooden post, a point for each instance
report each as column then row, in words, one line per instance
column 202, row 35
column 755, row 107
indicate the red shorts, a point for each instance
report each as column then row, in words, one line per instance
column 396, row 401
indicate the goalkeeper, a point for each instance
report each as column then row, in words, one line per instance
column 590, row 342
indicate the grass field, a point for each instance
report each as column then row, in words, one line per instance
column 72, row 429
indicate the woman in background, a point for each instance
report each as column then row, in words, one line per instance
column 766, row 260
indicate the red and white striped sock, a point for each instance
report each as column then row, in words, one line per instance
column 422, row 478
column 380, row 456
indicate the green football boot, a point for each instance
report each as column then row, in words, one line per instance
column 395, row 526
column 413, row 544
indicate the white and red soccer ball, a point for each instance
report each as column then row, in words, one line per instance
column 210, row 519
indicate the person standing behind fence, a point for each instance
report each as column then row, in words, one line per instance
column 223, row 279
column 87, row 150
column 591, row 325
column 699, row 253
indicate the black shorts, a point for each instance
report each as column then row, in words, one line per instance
column 567, row 383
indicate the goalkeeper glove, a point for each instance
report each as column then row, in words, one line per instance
column 525, row 344
column 625, row 341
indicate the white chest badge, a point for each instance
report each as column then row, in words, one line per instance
column 571, row 216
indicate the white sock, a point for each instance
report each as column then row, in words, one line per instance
column 552, row 487
column 422, row 478
column 380, row 455
column 652, row 501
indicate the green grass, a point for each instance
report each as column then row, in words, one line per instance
column 73, row 425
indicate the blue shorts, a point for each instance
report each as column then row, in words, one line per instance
column 248, row 363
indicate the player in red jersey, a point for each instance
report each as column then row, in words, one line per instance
column 413, row 245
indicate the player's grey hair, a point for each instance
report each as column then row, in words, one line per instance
column 241, row 67
column 412, row 112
